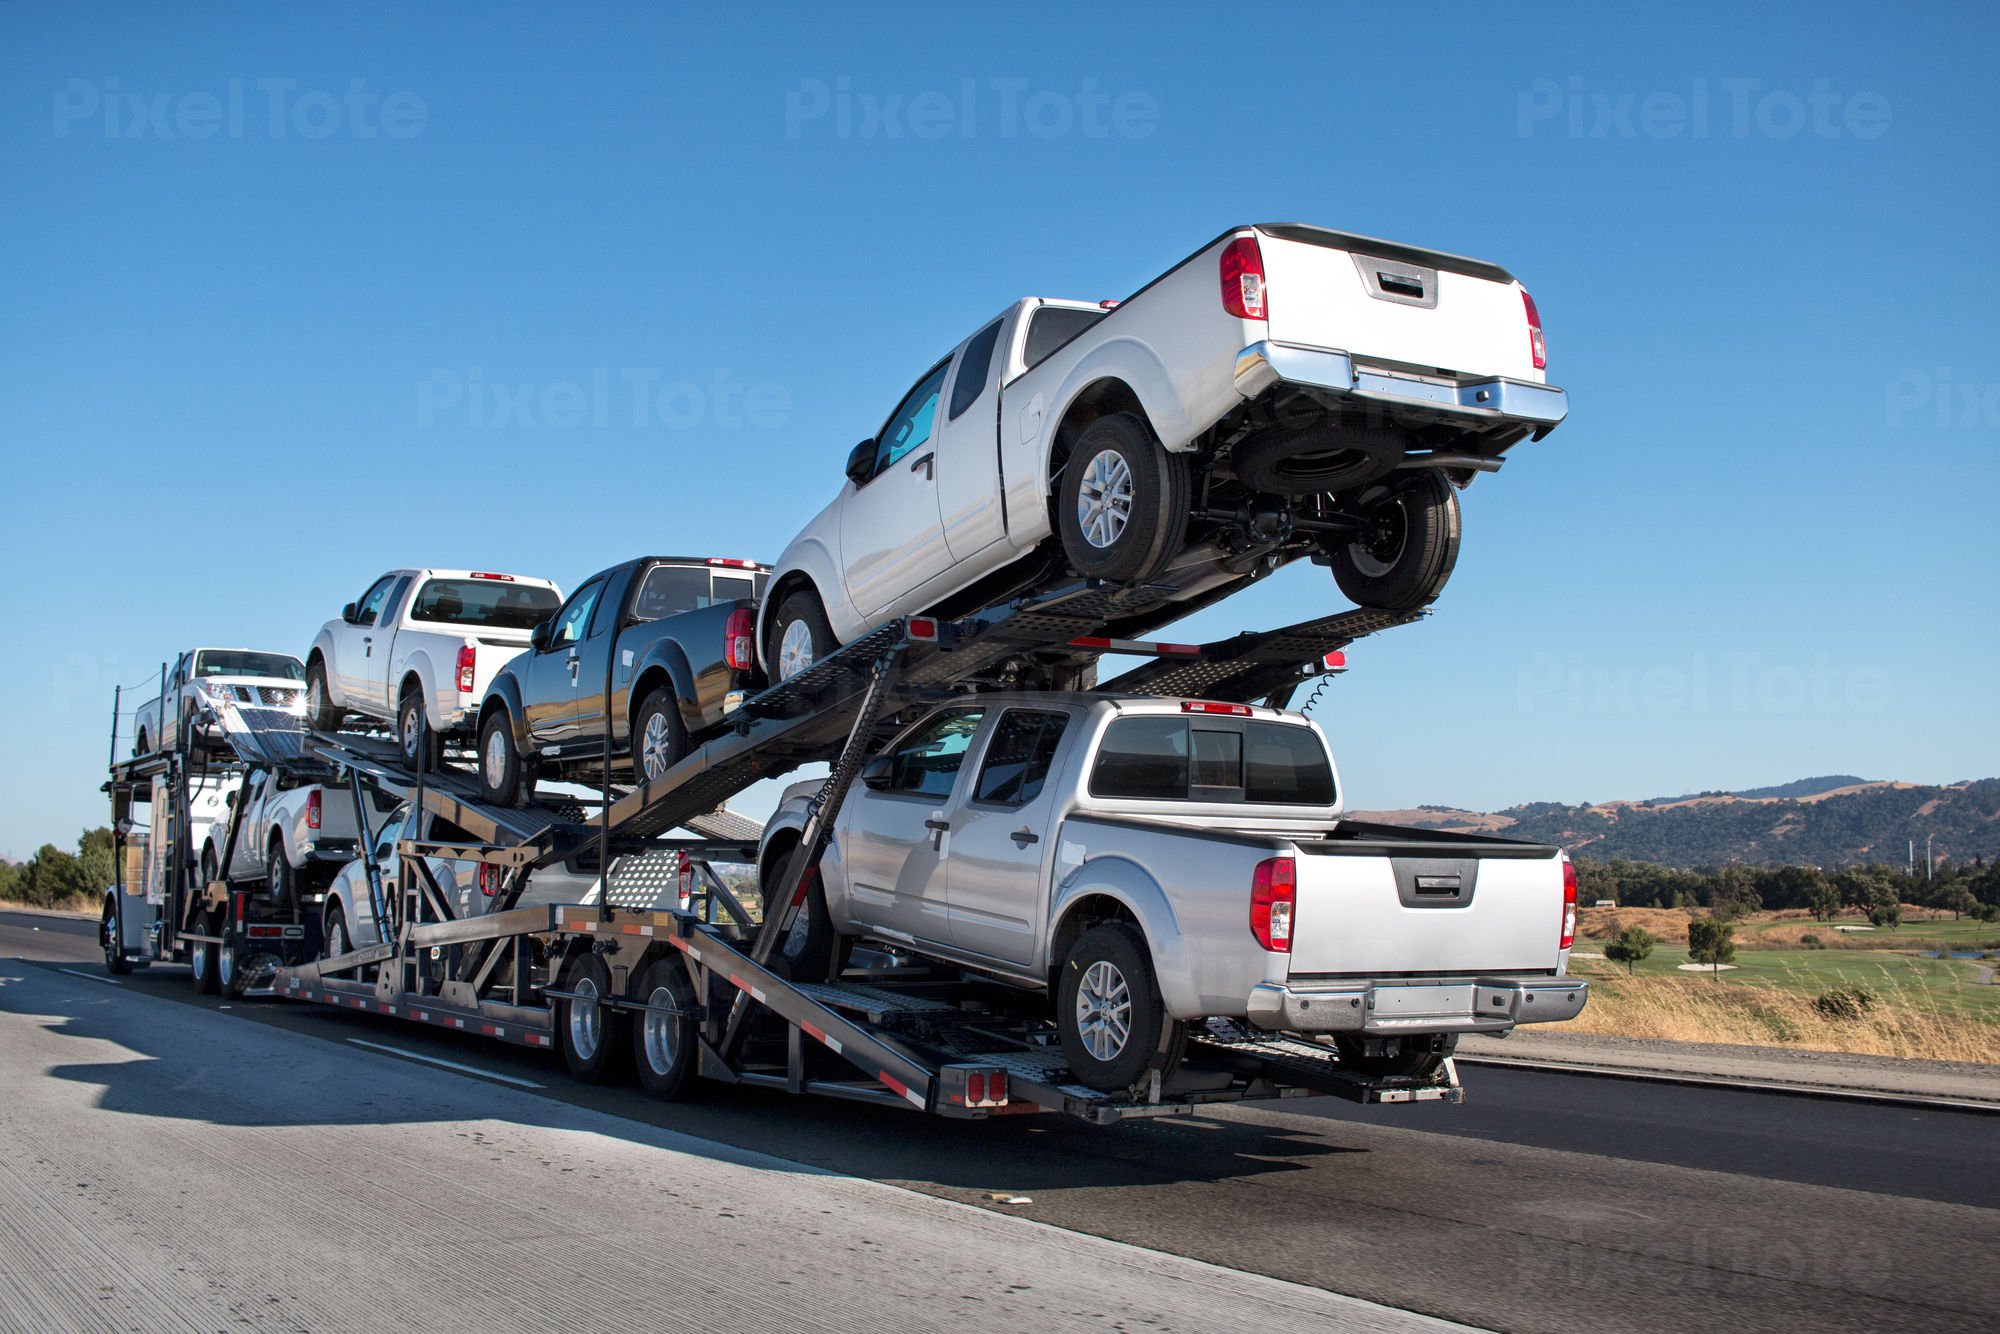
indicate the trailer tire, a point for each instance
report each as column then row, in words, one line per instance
column 202, row 961
column 659, row 737
column 228, row 970
column 1408, row 554
column 112, row 934
column 1109, row 1014
column 664, row 1045
column 499, row 760
column 1122, row 501
column 589, row 1031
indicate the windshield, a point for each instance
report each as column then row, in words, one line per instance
column 670, row 590
column 495, row 604
column 245, row 662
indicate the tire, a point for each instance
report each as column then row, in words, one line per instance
column 499, row 759
column 801, row 620
column 202, row 961
column 591, row 1035
column 1122, row 502
column 321, row 716
column 1408, row 556
column 282, row 879
column 413, row 732
column 1113, row 1024
column 210, row 867
column 664, row 1045
column 143, row 746
column 109, row 935
column 659, row 737
column 1325, row 456
column 229, row 979
column 1414, row 1057
column 334, row 937
column 811, row 951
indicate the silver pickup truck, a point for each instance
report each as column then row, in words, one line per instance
column 1153, row 863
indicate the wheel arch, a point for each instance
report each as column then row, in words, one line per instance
column 665, row 662
column 1116, row 889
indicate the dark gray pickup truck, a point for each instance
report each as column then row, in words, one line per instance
column 674, row 640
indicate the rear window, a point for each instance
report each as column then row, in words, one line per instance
column 490, row 603
column 1177, row 759
column 1051, row 327
column 243, row 662
column 670, row 590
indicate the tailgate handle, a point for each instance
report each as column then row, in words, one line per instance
column 1400, row 285
column 1445, row 885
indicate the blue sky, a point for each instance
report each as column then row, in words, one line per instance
column 297, row 294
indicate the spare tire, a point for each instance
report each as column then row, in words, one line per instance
column 1325, row 456
column 1406, row 555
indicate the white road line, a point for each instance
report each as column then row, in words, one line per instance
column 90, row 977
column 449, row 1065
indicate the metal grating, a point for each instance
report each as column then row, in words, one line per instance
column 872, row 1001
column 646, row 881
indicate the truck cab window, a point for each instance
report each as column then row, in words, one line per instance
column 370, row 606
column 913, row 423
column 569, row 626
column 973, row 369
column 927, row 763
column 1018, row 758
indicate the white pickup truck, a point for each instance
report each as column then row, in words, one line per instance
column 204, row 680
column 422, row 645
column 292, row 834
column 1284, row 392
column 1151, row 864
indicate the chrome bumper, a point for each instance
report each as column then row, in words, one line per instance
column 1261, row 365
column 1483, row 1005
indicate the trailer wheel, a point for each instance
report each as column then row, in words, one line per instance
column 1113, row 1025
column 228, row 973
column 202, row 962
column 1404, row 559
column 663, row 1045
column 659, row 738
column 591, row 1032
column 114, row 944
column 1122, row 501
column 499, row 760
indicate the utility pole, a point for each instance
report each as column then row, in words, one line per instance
column 1928, row 863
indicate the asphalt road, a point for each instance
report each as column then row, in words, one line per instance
column 1546, row 1202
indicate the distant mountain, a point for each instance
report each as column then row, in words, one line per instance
column 1828, row 822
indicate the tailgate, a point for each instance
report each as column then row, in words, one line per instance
column 1391, row 304
column 1426, row 911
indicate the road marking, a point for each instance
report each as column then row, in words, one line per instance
column 449, row 1065
column 89, row 977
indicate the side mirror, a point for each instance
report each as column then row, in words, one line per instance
column 347, row 613
column 538, row 638
column 861, row 462
column 229, row 800
column 877, row 771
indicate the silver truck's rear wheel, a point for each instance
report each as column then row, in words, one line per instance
column 499, row 760
column 800, row 635
column 1405, row 556
column 280, row 878
column 1109, row 1015
column 1121, row 502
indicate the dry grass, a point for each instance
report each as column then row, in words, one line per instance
column 1902, row 1021
column 1663, row 923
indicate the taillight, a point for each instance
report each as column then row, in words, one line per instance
column 1536, row 343
column 490, row 879
column 684, row 881
column 467, row 655
column 1569, row 904
column 312, row 809
column 1243, row 292
column 739, row 640
column 1273, row 892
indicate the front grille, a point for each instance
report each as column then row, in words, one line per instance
column 278, row 696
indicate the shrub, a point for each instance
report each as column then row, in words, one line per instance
column 1845, row 1003
column 1632, row 944
column 1812, row 942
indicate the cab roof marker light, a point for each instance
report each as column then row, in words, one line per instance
column 502, row 578
column 1209, row 706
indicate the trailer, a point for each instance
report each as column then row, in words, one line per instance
column 672, row 970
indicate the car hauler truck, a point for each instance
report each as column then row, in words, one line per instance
column 670, row 970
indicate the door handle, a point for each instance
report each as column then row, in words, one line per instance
column 938, row 828
column 1024, row 836
column 928, row 463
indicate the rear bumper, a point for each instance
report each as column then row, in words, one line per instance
column 1263, row 364
column 1476, row 1005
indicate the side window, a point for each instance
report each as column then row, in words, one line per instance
column 1018, row 757
column 927, row 763
column 607, row 609
column 912, row 423
column 1146, row 758
column 393, row 603
column 370, row 606
column 973, row 368
column 1051, row 327
column 570, row 621
column 1217, row 760
column 385, row 842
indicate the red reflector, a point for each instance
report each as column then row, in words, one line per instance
column 1208, row 706
column 467, row 657
column 264, row 932
column 684, row 880
column 922, row 627
column 1335, row 661
column 1537, row 344
column 1243, row 293
column 1273, row 892
column 1568, row 934
column 739, row 640
column 975, row 1088
column 312, row 809
column 503, row 578
column 996, row 1086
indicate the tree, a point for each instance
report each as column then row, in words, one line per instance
column 1632, row 944
column 1710, row 941
column 1886, row 910
column 1959, row 899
